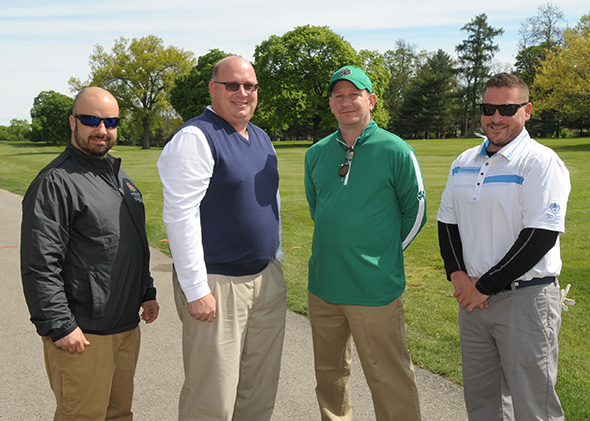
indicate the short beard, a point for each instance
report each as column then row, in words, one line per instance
column 85, row 146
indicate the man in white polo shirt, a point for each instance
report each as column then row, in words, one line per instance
column 500, row 218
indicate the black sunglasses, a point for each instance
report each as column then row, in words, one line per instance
column 506, row 110
column 234, row 86
column 93, row 121
column 345, row 166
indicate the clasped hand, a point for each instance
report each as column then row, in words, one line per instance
column 466, row 293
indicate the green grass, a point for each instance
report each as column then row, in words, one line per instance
column 431, row 310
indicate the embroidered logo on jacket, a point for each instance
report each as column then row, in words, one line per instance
column 134, row 192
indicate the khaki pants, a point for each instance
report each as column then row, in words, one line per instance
column 232, row 364
column 380, row 337
column 96, row 384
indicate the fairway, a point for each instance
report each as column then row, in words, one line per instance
column 431, row 310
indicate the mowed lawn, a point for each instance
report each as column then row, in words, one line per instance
column 431, row 310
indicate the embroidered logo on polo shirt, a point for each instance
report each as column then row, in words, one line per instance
column 554, row 211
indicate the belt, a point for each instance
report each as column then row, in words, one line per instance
column 533, row 282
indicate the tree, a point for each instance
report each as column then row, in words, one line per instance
column 4, row 135
column 539, row 35
column 140, row 74
column 19, row 129
column 475, row 56
column 293, row 71
column 528, row 61
column 428, row 106
column 190, row 94
column 583, row 27
column 402, row 64
column 542, row 29
column 561, row 84
column 374, row 64
column 50, row 118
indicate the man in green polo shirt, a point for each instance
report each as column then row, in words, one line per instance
column 366, row 198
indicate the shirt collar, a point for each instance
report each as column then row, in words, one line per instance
column 508, row 150
column 367, row 131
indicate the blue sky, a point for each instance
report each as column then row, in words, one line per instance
column 44, row 43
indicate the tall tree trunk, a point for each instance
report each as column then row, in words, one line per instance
column 316, row 129
column 472, row 125
column 146, row 133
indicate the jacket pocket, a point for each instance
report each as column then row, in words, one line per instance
column 99, row 290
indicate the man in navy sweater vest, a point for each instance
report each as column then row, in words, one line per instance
column 221, row 210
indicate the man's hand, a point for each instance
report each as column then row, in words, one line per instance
column 466, row 293
column 460, row 280
column 150, row 311
column 74, row 342
column 204, row 309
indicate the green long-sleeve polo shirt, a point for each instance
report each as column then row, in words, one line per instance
column 364, row 221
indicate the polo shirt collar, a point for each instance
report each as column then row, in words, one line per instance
column 371, row 127
column 511, row 148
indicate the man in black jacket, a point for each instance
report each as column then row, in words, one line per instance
column 85, row 267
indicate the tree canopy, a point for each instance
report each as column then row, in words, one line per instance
column 190, row 94
column 293, row 71
column 475, row 56
column 373, row 62
column 543, row 28
column 428, row 108
column 402, row 65
column 420, row 93
column 18, row 130
column 50, row 118
column 139, row 73
column 562, row 84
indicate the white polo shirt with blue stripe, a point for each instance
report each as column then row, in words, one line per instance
column 492, row 199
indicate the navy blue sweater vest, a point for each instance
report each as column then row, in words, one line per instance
column 239, row 213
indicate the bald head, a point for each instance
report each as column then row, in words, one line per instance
column 93, row 140
column 234, row 106
column 94, row 96
column 232, row 61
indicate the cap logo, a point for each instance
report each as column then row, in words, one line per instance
column 345, row 72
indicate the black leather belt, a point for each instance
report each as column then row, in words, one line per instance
column 533, row 282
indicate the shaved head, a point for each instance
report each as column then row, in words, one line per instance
column 98, row 102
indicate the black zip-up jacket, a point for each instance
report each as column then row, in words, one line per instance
column 84, row 249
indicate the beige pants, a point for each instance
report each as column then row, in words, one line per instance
column 232, row 364
column 96, row 384
column 380, row 337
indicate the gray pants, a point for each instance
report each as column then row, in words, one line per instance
column 510, row 353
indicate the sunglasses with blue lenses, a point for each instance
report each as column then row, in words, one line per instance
column 506, row 110
column 93, row 121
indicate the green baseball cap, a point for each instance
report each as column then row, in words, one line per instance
column 354, row 75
